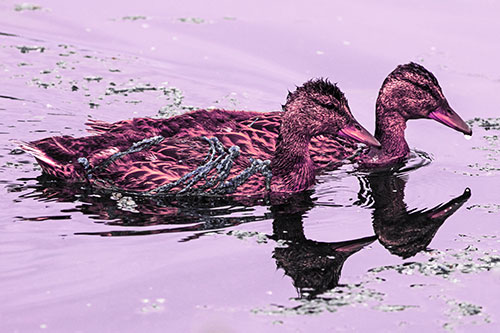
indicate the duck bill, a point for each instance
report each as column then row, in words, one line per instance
column 445, row 115
column 357, row 133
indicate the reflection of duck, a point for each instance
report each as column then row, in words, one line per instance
column 401, row 231
column 137, row 214
column 169, row 156
column 314, row 267
column 409, row 92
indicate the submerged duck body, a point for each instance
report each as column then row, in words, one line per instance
column 215, row 152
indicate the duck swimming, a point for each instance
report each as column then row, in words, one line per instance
column 408, row 92
column 169, row 156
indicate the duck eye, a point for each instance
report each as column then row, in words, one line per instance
column 328, row 105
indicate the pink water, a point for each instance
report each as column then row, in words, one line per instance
column 69, row 261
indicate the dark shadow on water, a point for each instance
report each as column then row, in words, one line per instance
column 403, row 232
column 113, row 209
column 314, row 266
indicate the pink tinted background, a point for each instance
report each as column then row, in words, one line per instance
column 54, row 280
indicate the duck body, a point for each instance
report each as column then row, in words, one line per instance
column 409, row 92
column 327, row 151
column 206, row 151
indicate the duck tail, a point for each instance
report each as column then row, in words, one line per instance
column 36, row 152
column 47, row 163
column 98, row 126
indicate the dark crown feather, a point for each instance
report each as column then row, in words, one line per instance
column 417, row 69
column 318, row 86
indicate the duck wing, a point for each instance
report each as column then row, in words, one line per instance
column 198, row 122
column 193, row 165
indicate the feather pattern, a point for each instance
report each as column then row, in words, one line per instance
column 249, row 152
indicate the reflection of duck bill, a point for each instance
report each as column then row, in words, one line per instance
column 406, row 234
column 444, row 211
column 353, row 246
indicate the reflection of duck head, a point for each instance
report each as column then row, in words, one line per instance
column 406, row 232
column 314, row 266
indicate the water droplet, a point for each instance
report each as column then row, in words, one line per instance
column 467, row 137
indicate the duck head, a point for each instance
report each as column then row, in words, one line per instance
column 412, row 92
column 319, row 107
column 316, row 108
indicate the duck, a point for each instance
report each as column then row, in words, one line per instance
column 206, row 151
column 409, row 92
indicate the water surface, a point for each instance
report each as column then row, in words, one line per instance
column 409, row 250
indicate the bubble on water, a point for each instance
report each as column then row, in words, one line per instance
column 134, row 18
column 26, row 6
column 331, row 301
column 27, row 49
column 393, row 308
column 195, row 20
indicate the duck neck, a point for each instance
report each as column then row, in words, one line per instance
column 390, row 132
column 292, row 167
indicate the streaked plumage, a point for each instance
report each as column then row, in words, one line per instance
column 316, row 108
